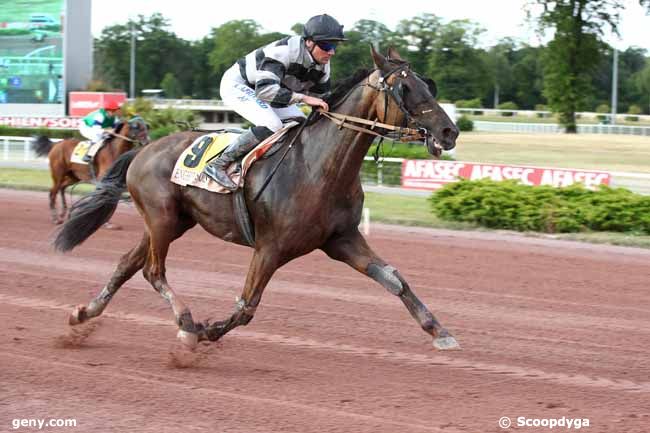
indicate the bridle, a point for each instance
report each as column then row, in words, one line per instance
column 396, row 93
column 136, row 140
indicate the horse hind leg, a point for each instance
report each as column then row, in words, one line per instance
column 129, row 264
column 351, row 248
column 53, row 210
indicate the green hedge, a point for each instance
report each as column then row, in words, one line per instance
column 162, row 122
column 512, row 206
column 464, row 123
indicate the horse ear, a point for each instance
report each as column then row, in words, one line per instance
column 380, row 61
column 393, row 54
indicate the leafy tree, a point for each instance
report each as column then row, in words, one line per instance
column 527, row 77
column 419, row 35
column 455, row 64
column 171, row 86
column 205, row 82
column 350, row 56
column 232, row 40
column 642, row 81
column 374, row 33
column 574, row 53
column 158, row 51
column 499, row 66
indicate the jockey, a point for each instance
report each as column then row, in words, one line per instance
column 265, row 86
column 96, row 125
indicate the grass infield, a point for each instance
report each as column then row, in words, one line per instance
column 384, row 208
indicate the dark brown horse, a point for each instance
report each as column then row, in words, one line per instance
column 66, row 173
column 314, row 201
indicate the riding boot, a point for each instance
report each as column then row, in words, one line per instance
column 87, row 157
column 216, row 168
column 92, row 151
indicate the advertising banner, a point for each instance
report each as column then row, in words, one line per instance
column 41, row 122
column 82, row 103
column 429, row 174
column 31, row 52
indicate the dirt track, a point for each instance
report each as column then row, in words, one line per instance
column 549, row 329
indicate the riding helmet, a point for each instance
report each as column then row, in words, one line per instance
column 323, row 28
column 111, row 105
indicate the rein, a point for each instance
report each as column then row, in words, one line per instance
column 348, row 122
column 395, row 92
column 124, row 137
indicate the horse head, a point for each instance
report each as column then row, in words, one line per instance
column 410, row 98
column 135, row 130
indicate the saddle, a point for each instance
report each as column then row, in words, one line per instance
column 189, row 165
column 79, row 152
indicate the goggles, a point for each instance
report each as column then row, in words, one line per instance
column 326, row 45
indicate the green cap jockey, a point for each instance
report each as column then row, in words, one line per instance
column 102, row 118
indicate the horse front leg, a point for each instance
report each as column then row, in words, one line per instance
column 351, row 248
column 262, row 267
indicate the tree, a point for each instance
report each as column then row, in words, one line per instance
column 373, row 33
column 158, row 52
column 455, row 64
column 205, row 82
column 574, row 53
column 419, row 35
column 527, row 77
column 171, row 86
column 499, row 64
column 642, row 81
column 232, row 40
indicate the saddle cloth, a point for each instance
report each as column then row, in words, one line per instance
column 189, row 166
column 79, row 152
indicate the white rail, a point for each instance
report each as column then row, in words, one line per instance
column 553, row 128
column 19, row 149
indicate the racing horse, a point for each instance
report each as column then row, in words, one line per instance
column 314, row 202
column 65, row 173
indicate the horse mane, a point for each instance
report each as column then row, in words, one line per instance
column 342, row 87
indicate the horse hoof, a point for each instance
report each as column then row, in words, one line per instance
column 446, row 343
column 77, row 315
column 188, row 339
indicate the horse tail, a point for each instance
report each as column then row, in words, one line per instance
column 92, row 211
column 41, row 145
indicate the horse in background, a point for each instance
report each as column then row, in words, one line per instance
column 314, row 201
column 65, row 173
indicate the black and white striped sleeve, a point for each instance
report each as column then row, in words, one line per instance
column 272, row 65
column 321, row 88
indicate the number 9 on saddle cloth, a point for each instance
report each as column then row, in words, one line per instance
column 189, row 166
